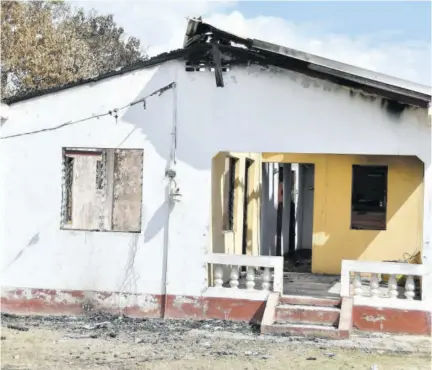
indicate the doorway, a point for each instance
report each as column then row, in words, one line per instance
column 245, row 235
column 295, row 206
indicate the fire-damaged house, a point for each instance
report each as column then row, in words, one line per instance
column 231, row 179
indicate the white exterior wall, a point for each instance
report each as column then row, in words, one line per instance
column 258, row 110
column 36, row 253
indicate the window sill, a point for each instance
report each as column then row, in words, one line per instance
column 70, row 228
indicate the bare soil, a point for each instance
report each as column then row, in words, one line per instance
column 110, row 342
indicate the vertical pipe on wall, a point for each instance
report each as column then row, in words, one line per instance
column 170, row 202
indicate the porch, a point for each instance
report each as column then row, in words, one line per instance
column 367, row 295
column 316, row 210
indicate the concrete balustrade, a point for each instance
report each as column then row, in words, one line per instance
column 242, row 276
column 379, row 292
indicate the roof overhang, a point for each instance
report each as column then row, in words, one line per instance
column 393, row 88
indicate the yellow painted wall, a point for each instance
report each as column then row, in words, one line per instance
column 231, row 241
column 333, row 240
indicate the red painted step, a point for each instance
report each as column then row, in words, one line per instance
column 315, row 331
column 308, row 314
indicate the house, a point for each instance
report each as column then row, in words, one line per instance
column 185, row 185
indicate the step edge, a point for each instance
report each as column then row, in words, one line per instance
column 287, row 306
column 306, row 323
column 312, row 298
column 306, row 326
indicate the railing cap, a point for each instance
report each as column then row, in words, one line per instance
column 376, row 267
column 243, row 260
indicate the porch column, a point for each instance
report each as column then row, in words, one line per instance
column 286, row 211
column 427, row 232
column 265, row 199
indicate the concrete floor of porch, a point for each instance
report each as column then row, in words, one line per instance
column 329, row 286
column 312, row 285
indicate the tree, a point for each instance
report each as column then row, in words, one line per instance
column 47, row 43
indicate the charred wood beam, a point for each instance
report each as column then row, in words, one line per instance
column 200, row 38
column 216, row 54
column 222, row 36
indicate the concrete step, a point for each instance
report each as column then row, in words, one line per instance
column 310, row 301
column 302, row 314
column 307, row 316
column 303, row 330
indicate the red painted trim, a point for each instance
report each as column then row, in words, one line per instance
column 74, row 302
column 392, row 320
column 215, row 308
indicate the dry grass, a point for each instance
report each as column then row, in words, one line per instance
column 48, row 348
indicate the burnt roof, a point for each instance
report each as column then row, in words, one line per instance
column 204, row 41
column 384, row 85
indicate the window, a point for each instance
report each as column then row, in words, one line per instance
column 69, row 163
column 102, row 189
column 99, row 176
column 369, row 197
column 229, row 193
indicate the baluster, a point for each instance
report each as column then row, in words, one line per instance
column 393, row 287
column 234, row 277
column 266, row 279
column 218, row 274
column 250, row 278
column 374, row 286
column 358, row 289
column 409, row 288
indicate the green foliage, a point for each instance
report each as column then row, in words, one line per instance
column 47, row 43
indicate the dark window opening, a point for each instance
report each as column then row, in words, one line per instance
column 369, row 197
column 229, row 224
column 69, row 165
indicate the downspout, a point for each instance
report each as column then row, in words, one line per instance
column 172, row 194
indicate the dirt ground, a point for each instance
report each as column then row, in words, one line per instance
column 111, row 342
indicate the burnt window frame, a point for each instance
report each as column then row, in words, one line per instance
column 68, row 191
column 383, row 169
column 230, row 194
column 69, row 154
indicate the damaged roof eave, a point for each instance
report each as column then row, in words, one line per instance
column 393, row 88
column 357, row 75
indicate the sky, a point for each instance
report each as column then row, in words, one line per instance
column 391, row 37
